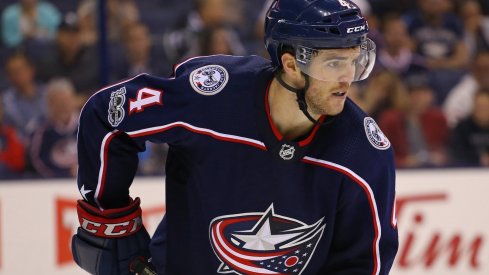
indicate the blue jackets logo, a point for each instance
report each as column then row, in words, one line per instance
column 209, row 80
column 264, row 243
column 116, row 107
column 375, row 135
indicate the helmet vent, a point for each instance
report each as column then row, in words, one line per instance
column 349, row 14
column 334, row 30
column 327, row 20
column 322, row 30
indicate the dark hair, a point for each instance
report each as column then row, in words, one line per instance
column 417, row 81
column 206, row 37
column 198, row 4
column 16, row 55
column 389, row 18
column 481, row 53
column 69, row 23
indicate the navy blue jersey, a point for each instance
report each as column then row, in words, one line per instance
column 240, row 198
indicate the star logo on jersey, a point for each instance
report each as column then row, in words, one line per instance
column 209, row 80
column 84, row 192
column 375, row 135
column 287, row 152
column 264, row 243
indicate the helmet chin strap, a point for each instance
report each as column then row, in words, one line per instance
column 301, row 95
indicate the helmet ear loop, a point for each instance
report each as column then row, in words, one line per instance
column 300, row 93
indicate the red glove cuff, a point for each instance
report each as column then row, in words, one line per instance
column 111, row 223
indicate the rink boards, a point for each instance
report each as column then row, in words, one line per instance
column 442, row 216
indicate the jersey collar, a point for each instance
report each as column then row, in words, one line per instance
column 283, row 149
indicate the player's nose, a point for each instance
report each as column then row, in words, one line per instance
column 347, row 75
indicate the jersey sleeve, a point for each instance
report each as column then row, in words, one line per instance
column 114, row 125
column 365, row 239
column 195, row 102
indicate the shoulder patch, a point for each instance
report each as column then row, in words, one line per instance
column 209, row 80
column 116, row 107
column 375, row 135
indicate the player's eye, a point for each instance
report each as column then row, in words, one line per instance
column 333, row 64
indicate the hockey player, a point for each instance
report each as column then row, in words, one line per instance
column 271, row 168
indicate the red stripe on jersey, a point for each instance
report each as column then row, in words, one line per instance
column 240, row 264
column 198, row 130
column 371, row 199
column 277, row 133
column 160, row 129
column 394, row 213
column 103, row 166
column 313, row 133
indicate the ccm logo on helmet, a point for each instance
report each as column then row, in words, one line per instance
column 356, row 29
column 112, row 229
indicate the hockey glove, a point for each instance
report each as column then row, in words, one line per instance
column 107, row 242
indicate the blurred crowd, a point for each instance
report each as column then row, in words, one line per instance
column 429, row 91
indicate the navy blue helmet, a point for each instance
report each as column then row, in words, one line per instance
column 316, row 24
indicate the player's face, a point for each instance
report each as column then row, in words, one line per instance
column 328, row 97
column 338, row 65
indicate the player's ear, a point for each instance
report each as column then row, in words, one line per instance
column 290, row 67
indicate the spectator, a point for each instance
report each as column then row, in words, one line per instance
column 12, row 161
column 259, row 28
column 182, row 41
column 87, row 23
column 418, row 133
column 470, row 140
column 260, row 20
column 383, row 91
column 29, row 19
column 139, row 55
column 396, row 54
column 220, row 40
column 438, row 36
column 24, row 101
column 120, row 15
column 69, row 57
column 53, row 145
column 459, row 102
column 485, row 6
column 388, row 6
column 374, row 32
column 476, row 27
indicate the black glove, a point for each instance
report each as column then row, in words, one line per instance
column 108, row 242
